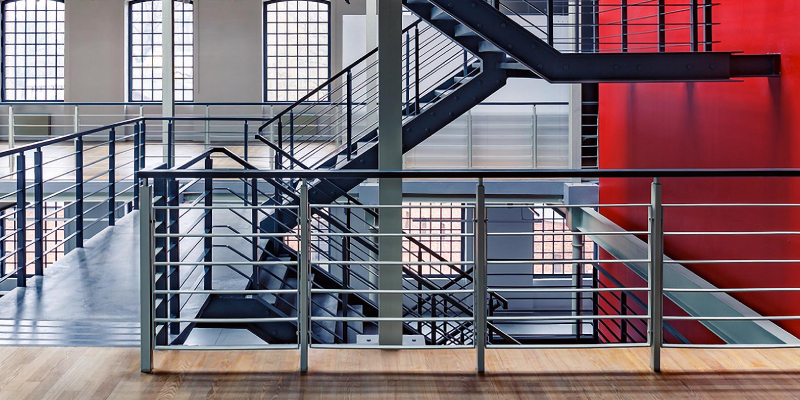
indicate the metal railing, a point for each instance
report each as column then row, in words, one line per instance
column 591, row 26
column 56, row 193
column 640, row 320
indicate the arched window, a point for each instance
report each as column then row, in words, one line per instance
column 33, row 50
column 145, row 51
column 296, row 48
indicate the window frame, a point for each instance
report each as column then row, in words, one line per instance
column 3, row 74
column 130, row 5
column 265, row 54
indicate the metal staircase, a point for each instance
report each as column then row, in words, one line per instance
column 455, row 56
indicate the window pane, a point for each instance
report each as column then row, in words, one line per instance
column 293, row 31
column 37, row 35
column 146, row 48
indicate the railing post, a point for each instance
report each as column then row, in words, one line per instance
column 112, row 187
column 408, row 73
column 2, row 243
column 694, row 19
column 76, row 119
column 208, row 227
column 173, row 218
column 291, row 138
column 160, row 253
column 708, row 25
column 656, row 275
column 662, row 26
column 246, row 142
column 170, row 144
column 550, row 23
column 11, row 135
column 624, row 25
column 207, row 126
column 136, row 164
column 349, row 115
column 255, row 230
column 416, row 69
column 146, row 275
column 479, row 278
column 143, row 146
column 279, row 155
column 79, row 192
column 21, row 223
column 302, row 281
column 38, row 205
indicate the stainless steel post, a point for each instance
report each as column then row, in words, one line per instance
column 656, row 275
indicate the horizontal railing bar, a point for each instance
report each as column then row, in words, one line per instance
column 566, row 317
column 737, row 290
column 224, row 263
column 393, row 319
column 568, row 290
column 336, row 234
column 734, row 205
column 540, row 205
column 229, row 348
column 758, row 318
column 387, row 291
column 199, row 207
column 360, row 206
column 568, row 346
column 224, row 320
column 387, row 347
column 475, row 174
column 567, row 233
column 731, row 233
column 732, row 346
column 223, row 235
column 275, row 291
column 370, row 262
column 733, row 261
column 567, row 261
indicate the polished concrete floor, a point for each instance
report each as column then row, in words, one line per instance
column 90, row 297
column 102, row 373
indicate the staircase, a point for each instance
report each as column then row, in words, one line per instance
column 455, row 56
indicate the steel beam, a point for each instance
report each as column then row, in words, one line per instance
column 554, row 66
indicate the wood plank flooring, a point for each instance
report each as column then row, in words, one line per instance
column 100, row 373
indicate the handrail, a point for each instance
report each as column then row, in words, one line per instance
column 475, row 174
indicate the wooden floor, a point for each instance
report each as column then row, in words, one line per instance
column 86, row 373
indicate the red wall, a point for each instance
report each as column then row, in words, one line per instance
column 749, row 124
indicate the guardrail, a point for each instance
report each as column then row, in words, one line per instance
column 648, row 315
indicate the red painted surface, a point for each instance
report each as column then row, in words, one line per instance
column 750, row 124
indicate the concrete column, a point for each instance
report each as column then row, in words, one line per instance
column 390, row 150
column 168, row 66
column 371, row 86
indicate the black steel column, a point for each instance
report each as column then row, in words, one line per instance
column 112, row 187
column 208, row 226
column 708, row 25
column 21, row 223
column 662, row 26
column 79, row 192
column 38, row 204
column 694, row 20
